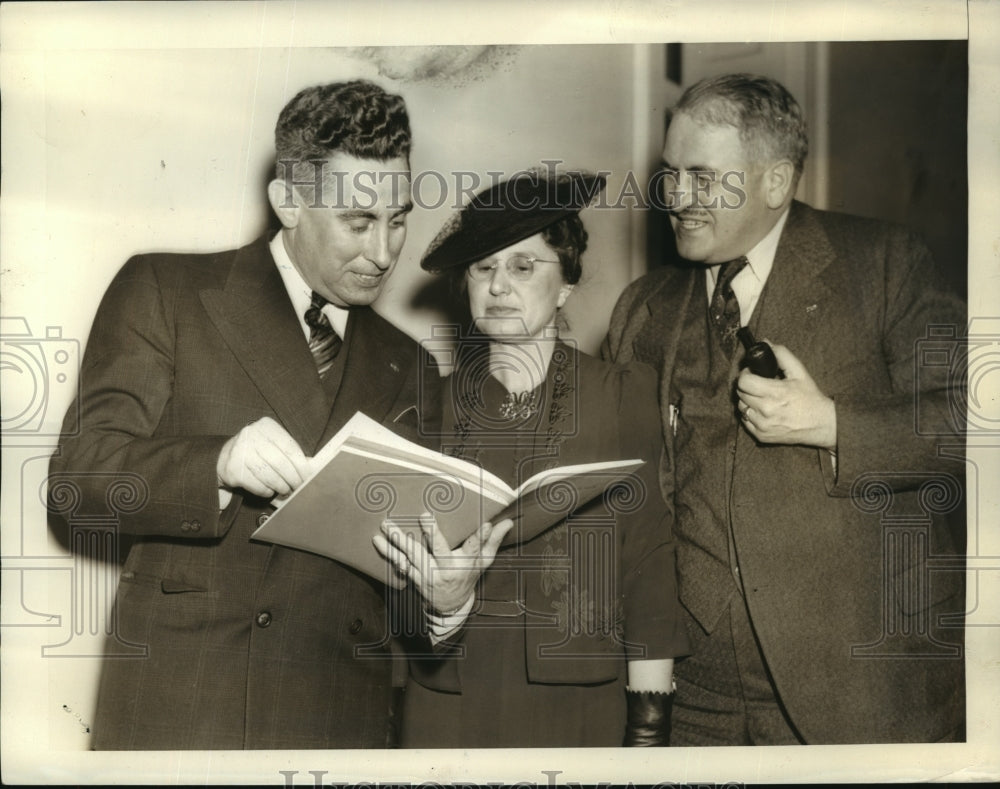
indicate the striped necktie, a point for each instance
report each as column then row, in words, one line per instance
column 725, row 309
column 324, row 343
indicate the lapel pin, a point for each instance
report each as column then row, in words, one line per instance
column 811, row 308
column 394, row 366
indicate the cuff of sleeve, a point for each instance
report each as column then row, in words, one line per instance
column 200, row 493
column 440, row 626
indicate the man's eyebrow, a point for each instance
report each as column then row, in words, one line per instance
column 357, row 213
column 695, row 168
column 360, row 213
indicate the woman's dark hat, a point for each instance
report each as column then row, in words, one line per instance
column 508, row 212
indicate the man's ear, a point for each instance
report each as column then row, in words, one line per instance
column 284, row 201
column 779, row 183
column 564, row 292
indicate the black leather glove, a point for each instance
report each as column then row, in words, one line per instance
column 648, row 721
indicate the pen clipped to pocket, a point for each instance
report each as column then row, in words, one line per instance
column 673, row 415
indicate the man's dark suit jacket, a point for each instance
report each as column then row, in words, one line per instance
column 834, row 564
column 249, row 645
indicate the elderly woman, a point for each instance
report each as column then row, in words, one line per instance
column 568, row 638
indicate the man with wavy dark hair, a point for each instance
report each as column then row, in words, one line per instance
column 213, row 378
column 808, row 506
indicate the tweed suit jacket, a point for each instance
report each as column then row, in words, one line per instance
column 835, row 563
column 248, row 645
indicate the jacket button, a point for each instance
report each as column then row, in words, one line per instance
column 355, row 627
column 262, row 518
column 263, row 619
column 195, row 525
column 185, row 526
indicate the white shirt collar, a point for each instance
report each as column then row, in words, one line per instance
column 749, row 283
column 300, row 293
column 760, row 258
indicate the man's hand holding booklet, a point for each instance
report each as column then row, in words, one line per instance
column 366, row 473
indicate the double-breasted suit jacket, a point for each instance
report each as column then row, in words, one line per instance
column 835, row 559
column 248, row 645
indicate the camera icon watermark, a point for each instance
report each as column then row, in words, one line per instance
column 39, row 377
column 966, row 365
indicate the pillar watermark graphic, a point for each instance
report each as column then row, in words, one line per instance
column 908, row 596
column 956, row 377
column 966, row 362
column 94, row 547
column 573, row 571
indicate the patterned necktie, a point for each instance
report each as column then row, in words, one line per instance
column 324, row 343
column 725, row 309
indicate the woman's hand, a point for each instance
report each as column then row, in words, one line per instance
column 444, row 577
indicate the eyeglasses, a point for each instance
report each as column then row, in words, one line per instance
column 519, row 266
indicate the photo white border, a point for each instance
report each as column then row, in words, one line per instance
column 41, row 26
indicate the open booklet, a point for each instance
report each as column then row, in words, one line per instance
column 366, row 473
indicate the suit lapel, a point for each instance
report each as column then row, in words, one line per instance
column 255, row 317
column 797, row 292
column 375, row 369
column 657, row 340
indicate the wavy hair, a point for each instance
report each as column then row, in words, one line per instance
column 767, row 117
column 357, row 118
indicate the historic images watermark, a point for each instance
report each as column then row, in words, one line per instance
column 318, row 185
column 549, row 780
